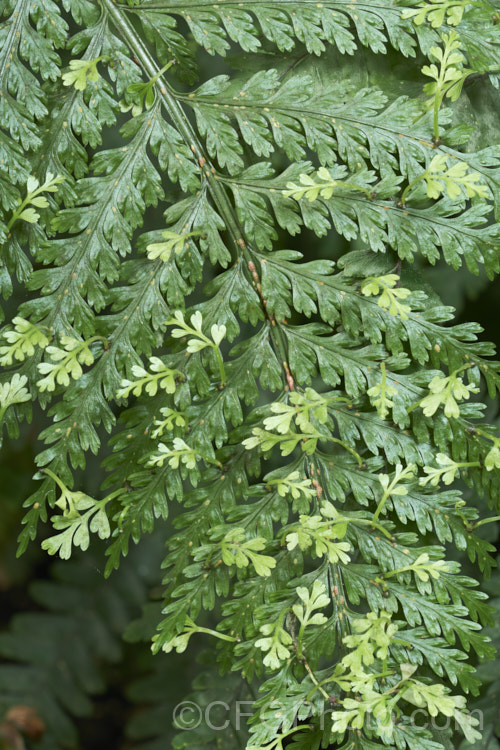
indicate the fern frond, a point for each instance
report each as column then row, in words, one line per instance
column 295, row 427
column 55, row 658
column 283, row 24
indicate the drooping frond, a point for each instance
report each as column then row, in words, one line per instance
column 302, row 416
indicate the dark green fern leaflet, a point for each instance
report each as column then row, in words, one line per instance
column 364, row 208
column 86, row 403
column 222, row 297
column 78, row 116
column 312, row 287
column 30, row 32
column 283, row 23
column 332, row 118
